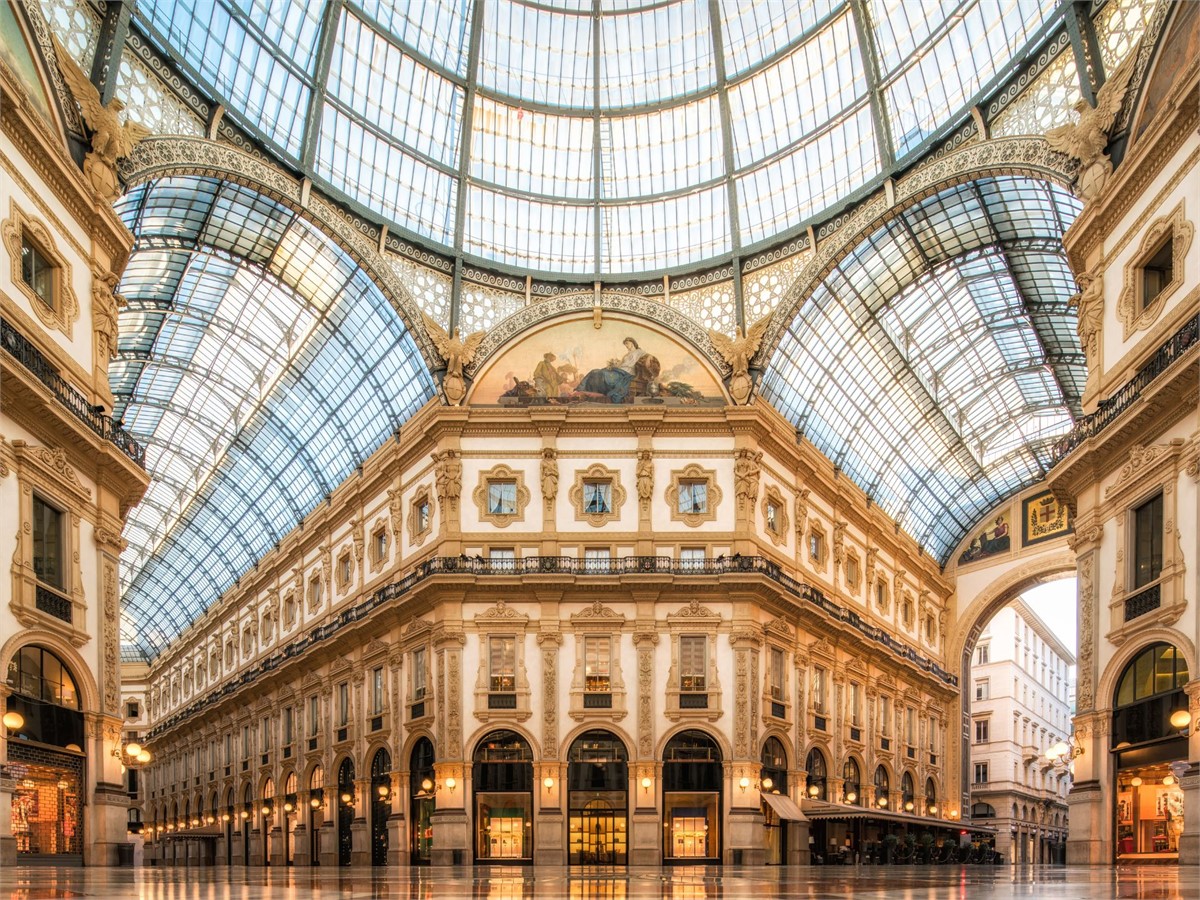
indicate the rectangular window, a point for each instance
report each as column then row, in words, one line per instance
column 596, row 559
column 1159, row 270
column 597, row 498
column 982, row 729
column 502, row 559
column 1148, row 541
column 816, row 546
column 266, row 735
column 502, row 498
column 778, row 673
column 982, row 655
column 502, row 664
column 693, row 662
column 933, row 730
column 691, row 558
column 772, row 517
column 981, row 773
column 855, row 704
column 132, row 710
column 289, row 725
column 910, row 726
column 343, row 704
column 37, row 271
column 885, row 715
column 422, row 517
column 981, row 689
column 418, row 674
column 597, row 659
column 693, row 497
column 344, row 570
column 379, row 540
column 314, row 592
column 818, row 690
column 47, row 543
column 228, row 749
column 245, row 742
column 377, row 690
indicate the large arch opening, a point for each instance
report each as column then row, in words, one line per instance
column 693, row 780
column 502, row 774
column 597, row 800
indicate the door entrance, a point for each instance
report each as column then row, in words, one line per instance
column 598, row 836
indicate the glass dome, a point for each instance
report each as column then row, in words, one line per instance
column 589, row 138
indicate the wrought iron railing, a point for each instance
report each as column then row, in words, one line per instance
column 1143, row 602
column 557, row 566
column 20, row 349
column 52, row 603
column 1111, row 407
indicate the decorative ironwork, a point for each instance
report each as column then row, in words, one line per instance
column 1143, row 602
column 693, row 701
column 53, row 604
column 631, row 567
column 1111, row 407
column 19, row 348
column 502, row 701
column 597, row 701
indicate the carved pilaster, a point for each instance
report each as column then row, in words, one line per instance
column 1085, row 568
column 549, row 641
column 645, row 642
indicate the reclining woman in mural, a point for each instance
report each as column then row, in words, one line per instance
column 622, row 379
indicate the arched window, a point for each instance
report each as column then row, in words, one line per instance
column 852, row 782
column 983, row 811
column 773, row 775
column 817, row 774
column 930, row 797
column 882, row 786
column 1149, row 690
column 908, row 792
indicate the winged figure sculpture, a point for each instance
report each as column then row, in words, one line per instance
column 738, row 351
column 457, row 353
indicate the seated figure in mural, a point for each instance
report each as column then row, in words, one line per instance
column 622, row 379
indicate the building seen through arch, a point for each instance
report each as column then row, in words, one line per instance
column 507, row 433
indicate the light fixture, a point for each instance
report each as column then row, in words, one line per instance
column 73, row 748
column 1135, row 781
column 143, row 757
column 1169, row 780
column 882, row 801
column 744, row 783
column 287, row 807
column 548, row 782
column 813, row 790
column 1180, row 720
column 347, row 798
column 13, row 720
column 426, row 785
column 315, row 802
column 646, row 783
column 224, row 817
column 1062, row 753
column 451, row 784
column 133, row 748
column 211, row 820
column 383, row 790
column 933, row 809
column 850, row 796
column 954, row 813
column 908, row 806
column 767, row 784
column 266, row 811
column 245, row 813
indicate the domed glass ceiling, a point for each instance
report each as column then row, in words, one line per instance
column 595, row 137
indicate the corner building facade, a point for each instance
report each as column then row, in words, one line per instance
column 499, row 644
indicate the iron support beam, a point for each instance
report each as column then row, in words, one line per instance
column 870, row 54
column 110, row 44
column 316, row 100
column 735, row 230
column 464, row 158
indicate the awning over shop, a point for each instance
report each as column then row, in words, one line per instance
column 784, row 807
column 208, row 832
column 818, row 810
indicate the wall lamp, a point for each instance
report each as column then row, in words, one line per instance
column 1062, row 753
column 548, row 783
column 132, row 754
column 1181, row 720
column 451, row 784
column 13, row 720
column 647, row 783
column 744, row 783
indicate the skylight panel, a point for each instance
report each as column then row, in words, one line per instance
column 532, row 152
column 375, row 81
column 537, row 55
column 661, row 234
column 655, row 55
column 663, row 151
column 517, row 231
column 437, row 31
column 798, row 96
column 753, row 30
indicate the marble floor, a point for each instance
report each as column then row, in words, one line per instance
column 875, row 883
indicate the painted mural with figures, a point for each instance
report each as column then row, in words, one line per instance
column 622, row 361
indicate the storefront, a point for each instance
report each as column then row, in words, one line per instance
column 316, row 816
column 290, row 817
column 503, row 783
column 345, row 811
column 597, row 800
column 1150, row 755
column 45, row 759
column 692, row 784
column 772, row 779
column 422, row 781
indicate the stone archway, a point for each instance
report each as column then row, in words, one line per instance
column 960, row 648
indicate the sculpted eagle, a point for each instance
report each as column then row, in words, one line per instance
column 457, row 353
column 738, row 351
column 1086, row 139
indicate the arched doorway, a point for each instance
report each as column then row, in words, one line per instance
column 422, row 783
column 693, row 778
column 502, row 773
column 381, row 805
column 49, row 779
column 1150, row 754
column 316, row 818
column 345, row 811
column 852, row 782
column 247, row 822
column 597, row 800
column 908, row 793
column 931, row 804
column 290, row 816
column 883, row 786
column 772, row 779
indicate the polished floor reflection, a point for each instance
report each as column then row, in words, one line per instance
column 543, row 883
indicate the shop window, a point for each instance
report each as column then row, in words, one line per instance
column 852, row 782
column 1149, row 691
column 597, row 800
column 692, row 786
column 815, row 780
column 502, row 775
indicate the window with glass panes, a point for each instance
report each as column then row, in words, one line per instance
column 818, row 689
column 47, row 543
column 596, row 559
column 502, row 498
column 778, row 681
column 37, row 271
column 314, row 716
column 418, row 674
column 692, row 557
column 377, row 690
column 289, row 725
column 343, row 704
column 502, row 664
column 693, row 497
column 1148, row 541
column 693, row 662
column 855, row 704
column 597, row 497
column 597, row 657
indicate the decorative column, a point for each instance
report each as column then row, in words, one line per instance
column 1189, row 840
column 549, row 828
column 451, row 826
column 645, row 836
column 745, row 831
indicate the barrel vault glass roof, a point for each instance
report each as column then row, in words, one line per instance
column 937, row 363
column 596, row 137
column 259, row 365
